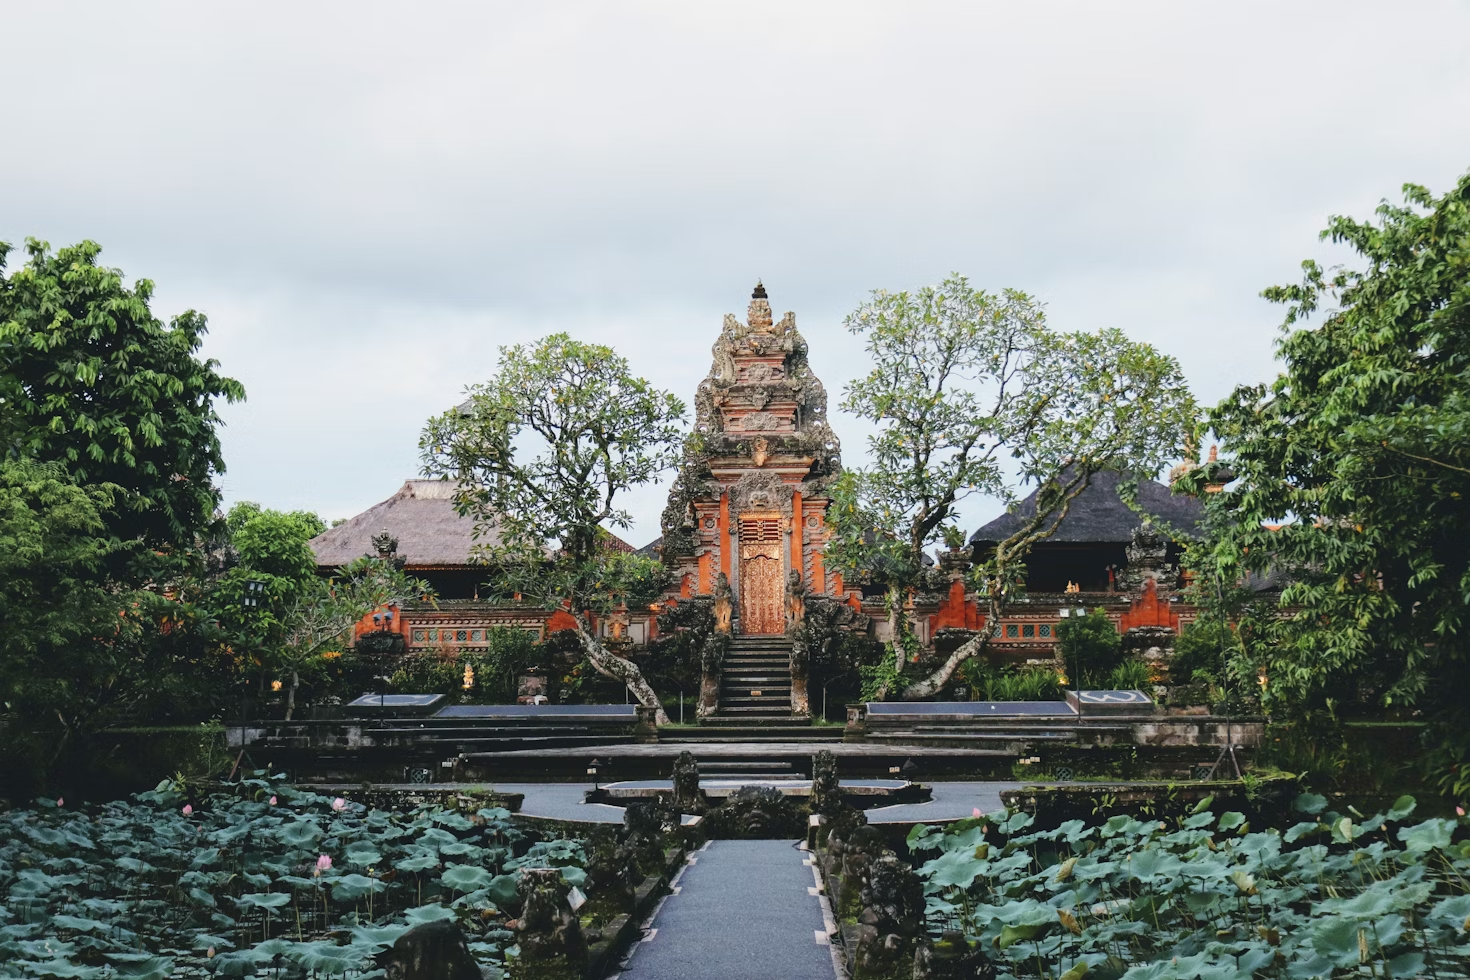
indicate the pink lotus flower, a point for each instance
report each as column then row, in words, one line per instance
column 188, row 809
column 60, row 801
column 976, row 812
column 339, row 804
column 323, row 863
column 273, row 801
column 1460, row 810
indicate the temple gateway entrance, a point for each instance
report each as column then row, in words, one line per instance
column 762, row 610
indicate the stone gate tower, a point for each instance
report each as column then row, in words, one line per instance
column 750, row 500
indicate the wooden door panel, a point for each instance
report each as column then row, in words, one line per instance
column 761, row 608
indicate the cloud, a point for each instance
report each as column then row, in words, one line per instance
column 367, row 199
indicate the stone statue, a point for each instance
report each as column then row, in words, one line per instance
column 724, row 609
column 612, row 866
column 826, row 797
column 687, row 795
column 757, row 813
column 892, row 912
column 549, row 933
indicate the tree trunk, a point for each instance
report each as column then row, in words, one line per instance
column 895, row 624
column 619, row 669
column 291, row 694
column 934, row 683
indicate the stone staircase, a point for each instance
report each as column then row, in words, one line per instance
column 755, row 699
column 756, row 679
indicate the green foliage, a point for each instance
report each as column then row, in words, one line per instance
column 1202, row 649
column 1130, row 675
column 91, row 380
column 542, row 452
column 250, row 880
column 1362, row 448
column 1204, row 896
column 1091, row 648
column 877, row 679
column 995, row 683
column 972, row 392
column 509, row 654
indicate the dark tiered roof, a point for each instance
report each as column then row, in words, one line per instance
column 1098, row 514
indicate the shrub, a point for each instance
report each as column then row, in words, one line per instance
column 991, row 683
column 1090, row 647
column 1201, row 649
column 1131, row 675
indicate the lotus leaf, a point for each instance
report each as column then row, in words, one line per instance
column 363, row 855
column 141, row 966
column 502, row 890
column 63, row 969
column 429, row 913
column 349, row 888
column 418, row 862
column 329, row 958
column 465, row 878
column 301, row 833
column 263, row 900
column 1431, row 835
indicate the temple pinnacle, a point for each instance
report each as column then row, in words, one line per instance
column 760, row 291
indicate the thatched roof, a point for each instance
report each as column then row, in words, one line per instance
column 422, row 517
column 1098, row 514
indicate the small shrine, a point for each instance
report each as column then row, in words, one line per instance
column 749, row 503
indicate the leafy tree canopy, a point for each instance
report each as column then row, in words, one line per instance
column 972, row 392
column 542, row 453
column 1360, row 452
column 91, row 380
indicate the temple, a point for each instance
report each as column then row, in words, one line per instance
column 750, row 502
column 746, row 521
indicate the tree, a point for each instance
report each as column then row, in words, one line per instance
column 1090, row 647
column 54, row 596
column 91, row 380
column 320, row 618
column 973, row 393
column 542, row 453
column 1352, row 473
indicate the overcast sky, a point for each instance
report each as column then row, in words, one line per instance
column 368, row 199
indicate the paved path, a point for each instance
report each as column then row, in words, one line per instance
column 743, row 910
column 948, row 801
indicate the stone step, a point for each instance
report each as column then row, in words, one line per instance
column 712, row 766
column 785, row 721
column 759, row 711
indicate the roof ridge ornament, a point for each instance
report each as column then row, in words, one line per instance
column 758, row 316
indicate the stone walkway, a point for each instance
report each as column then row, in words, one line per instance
column 741, row 910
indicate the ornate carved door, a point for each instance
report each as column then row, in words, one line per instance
column 762, row 591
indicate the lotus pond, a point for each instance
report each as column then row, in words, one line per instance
column 1204, row 896
column 261, row 878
